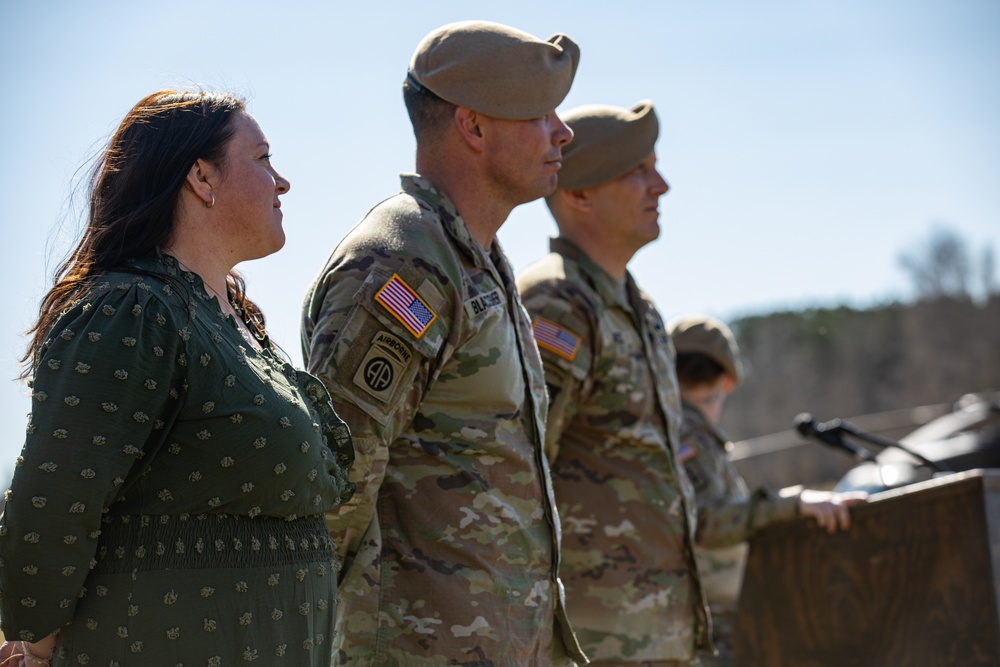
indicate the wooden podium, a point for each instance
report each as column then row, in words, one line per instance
column 915, row 581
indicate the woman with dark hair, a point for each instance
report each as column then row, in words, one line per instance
column 167, row 507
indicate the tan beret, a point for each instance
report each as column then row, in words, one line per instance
column 495, row 69
column 607, row 142
column 701, row 334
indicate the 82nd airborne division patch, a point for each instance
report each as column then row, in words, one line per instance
column 382, row 367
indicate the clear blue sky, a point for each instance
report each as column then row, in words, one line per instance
column 806, row 143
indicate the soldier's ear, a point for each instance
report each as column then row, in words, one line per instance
column 579, row 200
column 469, row 126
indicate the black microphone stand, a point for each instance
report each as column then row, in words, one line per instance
column 853, row 431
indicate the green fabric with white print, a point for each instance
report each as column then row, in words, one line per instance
column 167, row 507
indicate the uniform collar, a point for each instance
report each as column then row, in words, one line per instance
column 611, row 290
column 423, row 189
column 692, row 413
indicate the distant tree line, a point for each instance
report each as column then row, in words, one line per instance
column 844, row 362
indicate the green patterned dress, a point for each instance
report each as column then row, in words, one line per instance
column 168, row 505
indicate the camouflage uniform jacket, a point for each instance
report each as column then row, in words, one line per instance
column 626, row 506
column 451, row 539
column 728, row 514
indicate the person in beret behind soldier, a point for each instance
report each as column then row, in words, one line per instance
column 451, row 542
column 627, row 511
column 613, row 430
column 708, row 369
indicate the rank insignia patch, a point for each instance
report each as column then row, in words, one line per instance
column 404, row 304
column 554, row 338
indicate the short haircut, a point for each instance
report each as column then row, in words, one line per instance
column 429, row 114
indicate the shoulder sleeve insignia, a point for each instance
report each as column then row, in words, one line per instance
column 383, row 367
column 406, row 306
column 686, row 452
column 554, row 338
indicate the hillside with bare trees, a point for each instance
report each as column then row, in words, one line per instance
column 842, row 362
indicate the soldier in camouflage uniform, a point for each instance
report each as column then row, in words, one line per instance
column 627, row 508
column 451, row 541
column 708, row 369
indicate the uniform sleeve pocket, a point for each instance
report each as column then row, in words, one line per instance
column 377, row 353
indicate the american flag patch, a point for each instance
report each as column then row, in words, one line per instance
column 554, row 338
column 686, row 452
column 406, row 306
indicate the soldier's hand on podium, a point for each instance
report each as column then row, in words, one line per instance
column 830, row 510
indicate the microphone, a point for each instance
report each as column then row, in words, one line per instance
column 841, row 426
column 829, row 434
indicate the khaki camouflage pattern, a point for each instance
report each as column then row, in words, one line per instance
column 728, row 514
column 627, row 509
column 451, row 540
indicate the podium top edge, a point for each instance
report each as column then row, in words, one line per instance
column 990, row 477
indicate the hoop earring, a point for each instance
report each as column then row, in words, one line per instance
column 210, row 204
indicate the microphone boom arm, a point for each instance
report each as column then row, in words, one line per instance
column 853, row 431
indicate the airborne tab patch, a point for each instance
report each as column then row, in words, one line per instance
column 554, row 338
column 406, row 306
column 383, row 366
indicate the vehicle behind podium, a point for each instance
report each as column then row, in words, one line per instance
column 966, row 438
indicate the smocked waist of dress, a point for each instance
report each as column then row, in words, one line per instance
column 130, row 543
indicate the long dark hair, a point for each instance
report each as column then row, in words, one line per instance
column 133, row 192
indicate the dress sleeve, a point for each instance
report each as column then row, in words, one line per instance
column 566, row 334
column 377, row 370
column 110, row 381
column 335, row 432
